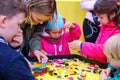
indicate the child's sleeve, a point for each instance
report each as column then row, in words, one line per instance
column 111, row 67
column 93, row 51
column 20, row 66
column 74, row 33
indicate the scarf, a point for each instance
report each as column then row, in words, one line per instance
column 53, row 40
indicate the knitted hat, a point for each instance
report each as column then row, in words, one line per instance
column 57, row 24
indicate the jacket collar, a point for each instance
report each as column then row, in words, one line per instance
column 2, row 40
column 110, row 24
column 45, row 34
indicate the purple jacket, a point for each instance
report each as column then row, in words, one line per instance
column 61, row 48
column 95, row 50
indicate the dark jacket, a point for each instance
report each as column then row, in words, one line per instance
column 13, row 66
column 31, row 37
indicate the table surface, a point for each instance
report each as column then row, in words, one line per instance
column 75, row 68
column 69, row 0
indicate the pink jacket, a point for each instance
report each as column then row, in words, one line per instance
column 61, row 48
column 95, row 50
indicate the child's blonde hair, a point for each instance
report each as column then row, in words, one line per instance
column 112, row 47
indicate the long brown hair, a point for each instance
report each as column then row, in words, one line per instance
column 46, row 7
column 108, row 7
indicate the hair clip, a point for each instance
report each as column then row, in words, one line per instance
column 118, row 3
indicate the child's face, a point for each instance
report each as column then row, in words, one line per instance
column 39, row 18
column 55, row 33
column 103, row 18
column 12, row 26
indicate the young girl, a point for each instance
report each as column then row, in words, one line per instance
column 54, row 39
column 109, row 25
column 112, row 51
column 90, row 23
column 39, row 12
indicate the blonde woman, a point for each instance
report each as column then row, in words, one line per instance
column 39, row 12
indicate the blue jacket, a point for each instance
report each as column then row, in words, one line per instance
column 13, row 66
column 116, row 74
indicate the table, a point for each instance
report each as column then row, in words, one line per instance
column 67, row 67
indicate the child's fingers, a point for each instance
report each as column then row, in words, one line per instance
column 71, row 45
column 67, row 24
column 104, row 72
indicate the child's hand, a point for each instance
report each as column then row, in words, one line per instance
column 40, row 54
column 103, row 76
column 68, row 25
column 105, row 73
column 16, row 40
column 75, row 45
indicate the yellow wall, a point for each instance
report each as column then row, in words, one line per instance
column 70, row 9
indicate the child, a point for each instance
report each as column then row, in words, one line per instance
column 54, row 39
column 15, row 42
column 13, row 66
column 109, row 25
column 90, row 23
column 39, row 12
column 112, row 51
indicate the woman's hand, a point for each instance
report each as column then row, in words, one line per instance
column 40, row 54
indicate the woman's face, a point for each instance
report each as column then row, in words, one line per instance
column 39, row 18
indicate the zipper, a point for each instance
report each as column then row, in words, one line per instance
column 55, row 47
